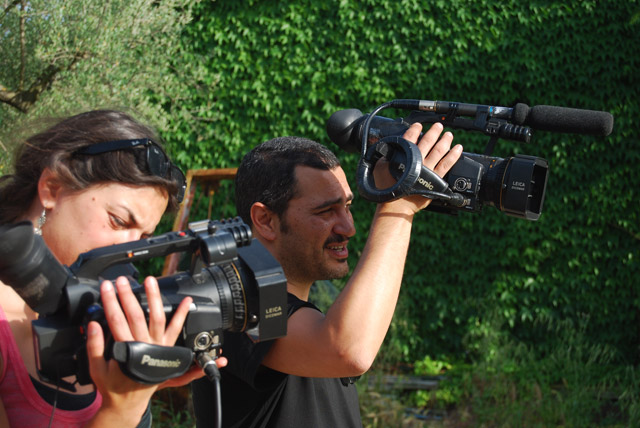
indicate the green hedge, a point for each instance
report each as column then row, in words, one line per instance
column 282, row 68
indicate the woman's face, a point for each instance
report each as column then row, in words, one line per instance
column 101, row 215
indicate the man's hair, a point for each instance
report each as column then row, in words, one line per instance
column 267, row 173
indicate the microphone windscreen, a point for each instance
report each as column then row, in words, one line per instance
column 564, row 119
column 520, row 112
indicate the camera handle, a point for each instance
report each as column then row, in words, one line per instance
column 410, row 169
column 150, row 364
column 406, row 159
column 405, row 165
column 495, row 128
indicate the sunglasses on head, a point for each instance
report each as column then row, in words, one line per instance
column 157, row 161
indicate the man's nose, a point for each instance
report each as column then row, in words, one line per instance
column 345, row 225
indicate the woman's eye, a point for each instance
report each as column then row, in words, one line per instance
column 117, row 221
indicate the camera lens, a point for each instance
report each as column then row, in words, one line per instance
column 516, row 185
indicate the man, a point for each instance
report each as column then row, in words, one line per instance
column 295, row 196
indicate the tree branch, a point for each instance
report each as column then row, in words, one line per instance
column 23, row 59
column 8, row 8
column 23, row 100
column 7, row 97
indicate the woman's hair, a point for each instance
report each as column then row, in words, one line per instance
column 55, row 148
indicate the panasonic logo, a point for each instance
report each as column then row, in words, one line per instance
column 425, row 183
column 156, row 362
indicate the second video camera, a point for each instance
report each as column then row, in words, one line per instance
column 515, row 185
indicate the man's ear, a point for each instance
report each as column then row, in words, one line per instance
column 49, row 188
column 265, row 221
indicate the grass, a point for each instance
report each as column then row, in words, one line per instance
column 574, row 383
column 485, row 396
column 173, row 408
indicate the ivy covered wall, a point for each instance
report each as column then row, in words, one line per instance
column 282, row 68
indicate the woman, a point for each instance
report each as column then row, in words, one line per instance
column 92, row 180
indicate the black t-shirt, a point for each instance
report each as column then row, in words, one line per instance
column 254, row 396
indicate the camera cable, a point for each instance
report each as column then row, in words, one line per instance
column 208, row 364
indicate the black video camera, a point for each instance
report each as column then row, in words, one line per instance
column 515, row 185
column 235, row 283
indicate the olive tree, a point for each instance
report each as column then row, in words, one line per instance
column 60, row 57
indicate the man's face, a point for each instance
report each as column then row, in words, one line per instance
column 316, row 227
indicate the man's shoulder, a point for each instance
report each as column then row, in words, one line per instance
column 294, row 303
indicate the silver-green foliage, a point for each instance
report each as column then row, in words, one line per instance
column 63, row 57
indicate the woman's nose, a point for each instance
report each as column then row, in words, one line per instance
column 129, row 235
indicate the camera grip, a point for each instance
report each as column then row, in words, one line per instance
column 385, row 148
column 151, row 364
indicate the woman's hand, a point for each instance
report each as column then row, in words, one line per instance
column 124, row 400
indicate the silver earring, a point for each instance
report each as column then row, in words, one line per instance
column 41, row 221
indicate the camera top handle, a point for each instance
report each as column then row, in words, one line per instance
column 493, row 127
column 201, row 235
column 405, row 164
